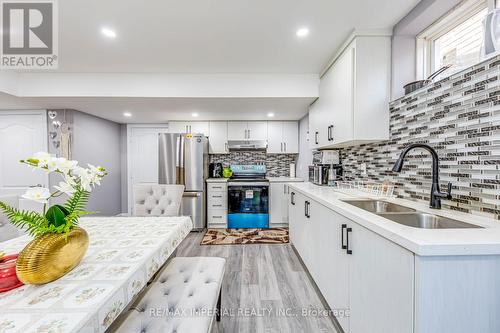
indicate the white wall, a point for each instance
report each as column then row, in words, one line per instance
column 305, row 153
column 97, row 141
column 404, row 40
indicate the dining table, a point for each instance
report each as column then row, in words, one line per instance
column 124, row 254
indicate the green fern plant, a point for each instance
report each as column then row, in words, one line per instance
column 36, row 224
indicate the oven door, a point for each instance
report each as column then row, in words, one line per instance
column 248, row 205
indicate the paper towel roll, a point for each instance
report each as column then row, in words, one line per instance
column 292, row 170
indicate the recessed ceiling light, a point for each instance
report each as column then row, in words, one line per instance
column 127, row 114
column 302, row 32
column 270, row 114
column 108, row 32
column 194, row 114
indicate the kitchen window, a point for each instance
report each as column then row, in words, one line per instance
column 456, row 39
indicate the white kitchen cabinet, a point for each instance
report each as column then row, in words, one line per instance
column 368, row 279
column 253, row 130
column 278, row 204
column 283, row 137
column 257, row 130
column 381, row 284
column 353, row 103
column 189, row 127
column 218, row 137
column 217, row 205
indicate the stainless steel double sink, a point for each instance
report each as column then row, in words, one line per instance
column 409, row 216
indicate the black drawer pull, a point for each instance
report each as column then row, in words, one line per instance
column 292, row 198
column 216, row 205
column 216, row 196
column 349, row 251
column 344, row 226
column 306, row 209
column 217, row 217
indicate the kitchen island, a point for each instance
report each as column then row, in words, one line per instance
column 124, row 254
column 382, row 276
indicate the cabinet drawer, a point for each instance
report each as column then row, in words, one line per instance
column 217, row 202
column 217, row 216
column 217, row 187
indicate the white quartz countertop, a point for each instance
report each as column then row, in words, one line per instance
column 284, row 179
column 217, row 180
column 423, row 242
column 271, row 179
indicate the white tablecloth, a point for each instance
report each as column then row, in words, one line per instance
column 124, row 253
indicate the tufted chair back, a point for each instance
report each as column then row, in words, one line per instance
column 157, row 200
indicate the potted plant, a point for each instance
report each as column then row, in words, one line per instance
column 58, row 244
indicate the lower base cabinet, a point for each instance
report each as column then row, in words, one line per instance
column 368, row 281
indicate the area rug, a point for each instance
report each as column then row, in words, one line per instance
column 245, row 236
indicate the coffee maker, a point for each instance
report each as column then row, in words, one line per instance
column 215, row 170
column 326, row 168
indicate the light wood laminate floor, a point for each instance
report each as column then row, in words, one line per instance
column 265, row 288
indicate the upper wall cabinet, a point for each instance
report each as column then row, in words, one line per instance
column 218, row 137
column 283, row 137
column 252, row 130
column 353, row 103
column 189, row 127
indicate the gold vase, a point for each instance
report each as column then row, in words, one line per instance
column 49, row 257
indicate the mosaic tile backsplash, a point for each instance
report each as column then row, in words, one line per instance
column 460, row 117
column 278, row 165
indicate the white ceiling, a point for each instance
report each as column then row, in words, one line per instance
column 198, row 37
column 214, row 36
column 152, row 110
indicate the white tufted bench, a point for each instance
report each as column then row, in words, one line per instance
column 183, row 299
column 157, row 200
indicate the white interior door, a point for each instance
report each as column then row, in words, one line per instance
column 142, row 157
column 22, row 133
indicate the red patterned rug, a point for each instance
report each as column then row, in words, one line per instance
column 245, row 236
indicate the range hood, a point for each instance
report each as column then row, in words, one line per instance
column 247, row 145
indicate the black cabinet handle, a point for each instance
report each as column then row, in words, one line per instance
column 344, row 226
column 349, row 251
column 306, row 209
column 292, row 198
column 316, row 137
column 329, row 133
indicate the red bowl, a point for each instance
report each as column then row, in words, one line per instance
column 8, row 276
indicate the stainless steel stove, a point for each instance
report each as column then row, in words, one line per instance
column 248, row 197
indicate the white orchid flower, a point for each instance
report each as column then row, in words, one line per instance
column 38, row 194
column 65, row 188
column 43, row 159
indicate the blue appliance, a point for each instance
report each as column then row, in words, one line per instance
column 248, row 197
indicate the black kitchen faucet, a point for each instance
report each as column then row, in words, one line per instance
column 436, row 193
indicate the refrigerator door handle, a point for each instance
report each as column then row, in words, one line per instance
column 191, row 194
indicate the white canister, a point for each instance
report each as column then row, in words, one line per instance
column 292, row 170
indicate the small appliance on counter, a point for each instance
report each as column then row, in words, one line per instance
column 248, row 197
column 326, row 169
column 215, row 170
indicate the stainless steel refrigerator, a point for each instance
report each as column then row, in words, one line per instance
column 183, row 159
